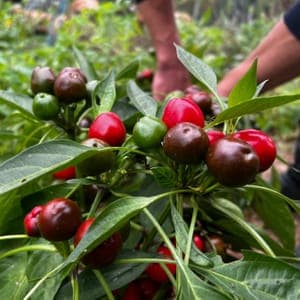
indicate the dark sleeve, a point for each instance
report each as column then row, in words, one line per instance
column 292, row 20
column 137, row 1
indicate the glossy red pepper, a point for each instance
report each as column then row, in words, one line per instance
column 105, row 253
column 156, row 272
column 180, row 110
column 109, row 128
column 263, row 145
column 31, row 222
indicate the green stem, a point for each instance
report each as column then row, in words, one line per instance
column 191, row 231
column 166, row 240
column 14, row 236
column 137, row 226
column 161, row 232
column 39, row 247
column 153, row 231
column 169, row 274
column 95, row 204
column 145, row 260
column 220, row 101
column 247, row 228
column 290, row 259
column 104, row 284
column 212, row 187
column 75, row 285
column 73, row 190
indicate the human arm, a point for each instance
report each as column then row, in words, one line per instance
column 278, row 57
column 170, row 74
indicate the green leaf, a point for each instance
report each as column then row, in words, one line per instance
column 113, row 217
column 39, row 264
column 106, row 91
column 11, row 217
column 13, row 280
column 198, row 69
column 252, row 106
column 39, row 160
column 276, row 196
column 243, row 224
column 21, row 103
column 194, row 288
column 116, row 275
column 129, row 71
column 85, row 66
column 245, row 88
column 230, row 206
column 46, row 194
column 142, row 101
column 181, row 231
column 165, row 177
column 283, row 224
column 257, row 277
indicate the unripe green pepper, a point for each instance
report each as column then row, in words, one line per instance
column 45, row 106
column 148, row 132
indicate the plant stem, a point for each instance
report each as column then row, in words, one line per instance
column 75, row 285
column 14, row 236
column 161, row 231
column 247, row 228
column 191, row 231
column 169, row 274
column 73, row 190
column 104, row 284
column 39, row 247
column 95, row 204
column 37, row 285
column 145, row 260
column 153, row 231
column 165, row 238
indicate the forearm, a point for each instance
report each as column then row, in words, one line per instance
column 158, row 16
column 278, row 57
column 170, row 73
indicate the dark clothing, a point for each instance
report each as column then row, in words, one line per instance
column 292, row 20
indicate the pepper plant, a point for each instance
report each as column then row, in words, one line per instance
column 152, row 208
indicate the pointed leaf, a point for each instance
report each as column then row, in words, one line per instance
column 182, row 239
column 194, row 288
column 227, row 210
column 252, row 106
column 13, row 280
column 276, row 196
column 106, row 91
column 129, row 71
column 283, row 225
column 39, row 160
column 142, row 101
column 19, row 102
column 199, row 69
column 257, row 277
column 245, row 88
column 85, row 66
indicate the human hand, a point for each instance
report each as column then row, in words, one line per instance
column 168, row 78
